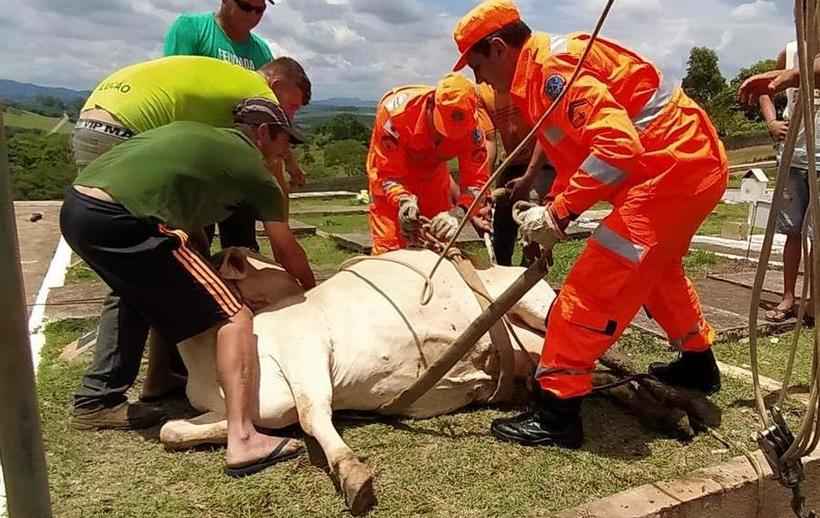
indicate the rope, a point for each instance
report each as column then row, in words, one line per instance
column 530, row 136
column 427, row 292
column 807, row 437
column 620, row 383
column 806, row 12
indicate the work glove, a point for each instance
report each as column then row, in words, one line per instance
column 537, row 224
column 444, row 225
column 409, row 216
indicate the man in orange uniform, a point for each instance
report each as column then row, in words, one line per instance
column 623, row 135
column 417, row 130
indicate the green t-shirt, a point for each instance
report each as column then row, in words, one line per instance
column 201, row 35
column 186, row 175
column 178, row 88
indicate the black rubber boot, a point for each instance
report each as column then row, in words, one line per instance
column 696, row 371
column 550, row 422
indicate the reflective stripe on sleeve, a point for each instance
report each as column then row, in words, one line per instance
column 618, row 244
column 602, row 171
column 654, row 106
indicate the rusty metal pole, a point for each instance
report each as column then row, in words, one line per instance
column 21, row 441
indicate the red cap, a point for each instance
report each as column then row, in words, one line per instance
column 454, row 113
column 485, row 18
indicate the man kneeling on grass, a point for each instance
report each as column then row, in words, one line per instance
column 133, row 215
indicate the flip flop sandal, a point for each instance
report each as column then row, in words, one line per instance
column 274, row 457
column 780, row 315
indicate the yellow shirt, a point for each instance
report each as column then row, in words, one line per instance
column 177, row 88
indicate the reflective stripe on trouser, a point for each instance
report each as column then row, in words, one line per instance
column 633, row 260
column 433, row 197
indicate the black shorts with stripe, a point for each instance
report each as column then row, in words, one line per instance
column 149, row 266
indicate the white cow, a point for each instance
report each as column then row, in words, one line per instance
column 353, row 343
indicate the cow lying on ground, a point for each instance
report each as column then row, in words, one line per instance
column 354, row 343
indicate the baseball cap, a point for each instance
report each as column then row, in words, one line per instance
column 454, row 111
column 484, row 19
column 256, row 111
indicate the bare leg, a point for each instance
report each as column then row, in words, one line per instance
column 791, row 266
column 238, row 370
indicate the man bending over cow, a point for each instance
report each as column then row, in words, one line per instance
column 621, row 134
column 132, row 214
column 417, row 130
column 131, row 101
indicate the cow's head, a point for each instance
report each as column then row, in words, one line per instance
column 259, row 280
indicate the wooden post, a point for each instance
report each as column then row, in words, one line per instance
column 468, row 338
column 21, row 442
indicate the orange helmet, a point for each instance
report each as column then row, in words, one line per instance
column 454, row 112
column 485, row 18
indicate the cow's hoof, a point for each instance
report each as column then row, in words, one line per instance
column 172, row 436
column 356, row 481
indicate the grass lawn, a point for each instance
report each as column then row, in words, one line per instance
column 724, row 213
column 79, row 272
column 297, row 204
column 748, row 155
column 346, row 224
column 16, row 118
column 445, row 467
column 773, row 353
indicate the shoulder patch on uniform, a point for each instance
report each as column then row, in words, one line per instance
column 578, row 112
column 554, row 86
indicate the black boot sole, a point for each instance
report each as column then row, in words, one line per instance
column 546, row 441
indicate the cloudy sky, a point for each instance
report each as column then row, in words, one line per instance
column 360, row 48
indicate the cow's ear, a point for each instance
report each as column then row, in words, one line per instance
column 234, row 264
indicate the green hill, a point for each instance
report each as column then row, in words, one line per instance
column 17, row 118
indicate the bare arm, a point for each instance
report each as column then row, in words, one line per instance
column 772, row 83
column 537, row 161
column 289, row 253
column 277, row 169
column 521, row 186
column 777, row 129
column 297, row 176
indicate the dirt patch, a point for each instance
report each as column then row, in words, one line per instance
column 37, row 241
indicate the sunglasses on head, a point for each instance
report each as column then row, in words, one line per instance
column 248, row 8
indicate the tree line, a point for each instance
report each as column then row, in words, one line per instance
column 51, row 106
column 718, row 96
column 41, row 165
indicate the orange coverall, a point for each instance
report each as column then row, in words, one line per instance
column 621, row 135
column 404, row 159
